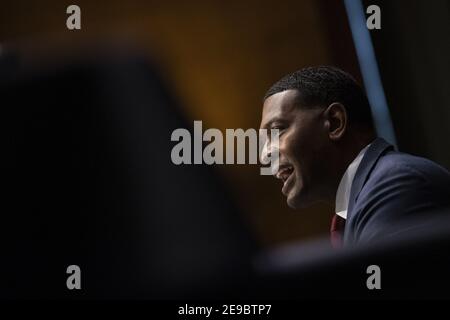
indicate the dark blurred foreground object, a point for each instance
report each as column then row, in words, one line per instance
column 88, row 181
column 9, row 62
column 413, row 264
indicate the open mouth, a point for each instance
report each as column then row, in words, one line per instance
column 284, row 173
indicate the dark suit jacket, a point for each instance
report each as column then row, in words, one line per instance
column 391, row 188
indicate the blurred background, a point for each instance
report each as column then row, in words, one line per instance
column 219, row 57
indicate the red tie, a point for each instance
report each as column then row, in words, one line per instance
column 337, row 231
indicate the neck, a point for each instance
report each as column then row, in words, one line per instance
column 344, row 154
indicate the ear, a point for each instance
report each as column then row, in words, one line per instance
column 336, row 120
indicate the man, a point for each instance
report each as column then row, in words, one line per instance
column 329, row 151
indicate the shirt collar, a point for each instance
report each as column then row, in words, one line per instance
column 345, row 186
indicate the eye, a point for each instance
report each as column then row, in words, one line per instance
column 280, row 128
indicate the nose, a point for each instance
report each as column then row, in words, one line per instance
column 266, row 152
column 269, row 151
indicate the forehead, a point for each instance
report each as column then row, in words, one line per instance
column 279, row 106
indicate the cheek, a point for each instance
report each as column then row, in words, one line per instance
column 292, row 145
column 285, row 147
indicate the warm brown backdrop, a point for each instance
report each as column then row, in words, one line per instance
column 220, row 57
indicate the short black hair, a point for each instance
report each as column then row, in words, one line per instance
column 321, row 86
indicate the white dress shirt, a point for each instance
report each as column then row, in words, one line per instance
column 345, row 186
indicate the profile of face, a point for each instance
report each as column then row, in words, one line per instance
column 306, row 146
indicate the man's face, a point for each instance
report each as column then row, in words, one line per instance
column 303, row 147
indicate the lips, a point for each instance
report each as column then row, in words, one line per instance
column 284, row 172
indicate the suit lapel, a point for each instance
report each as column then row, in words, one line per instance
column 373, row 153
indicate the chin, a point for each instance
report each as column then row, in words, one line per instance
column 299, row 200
